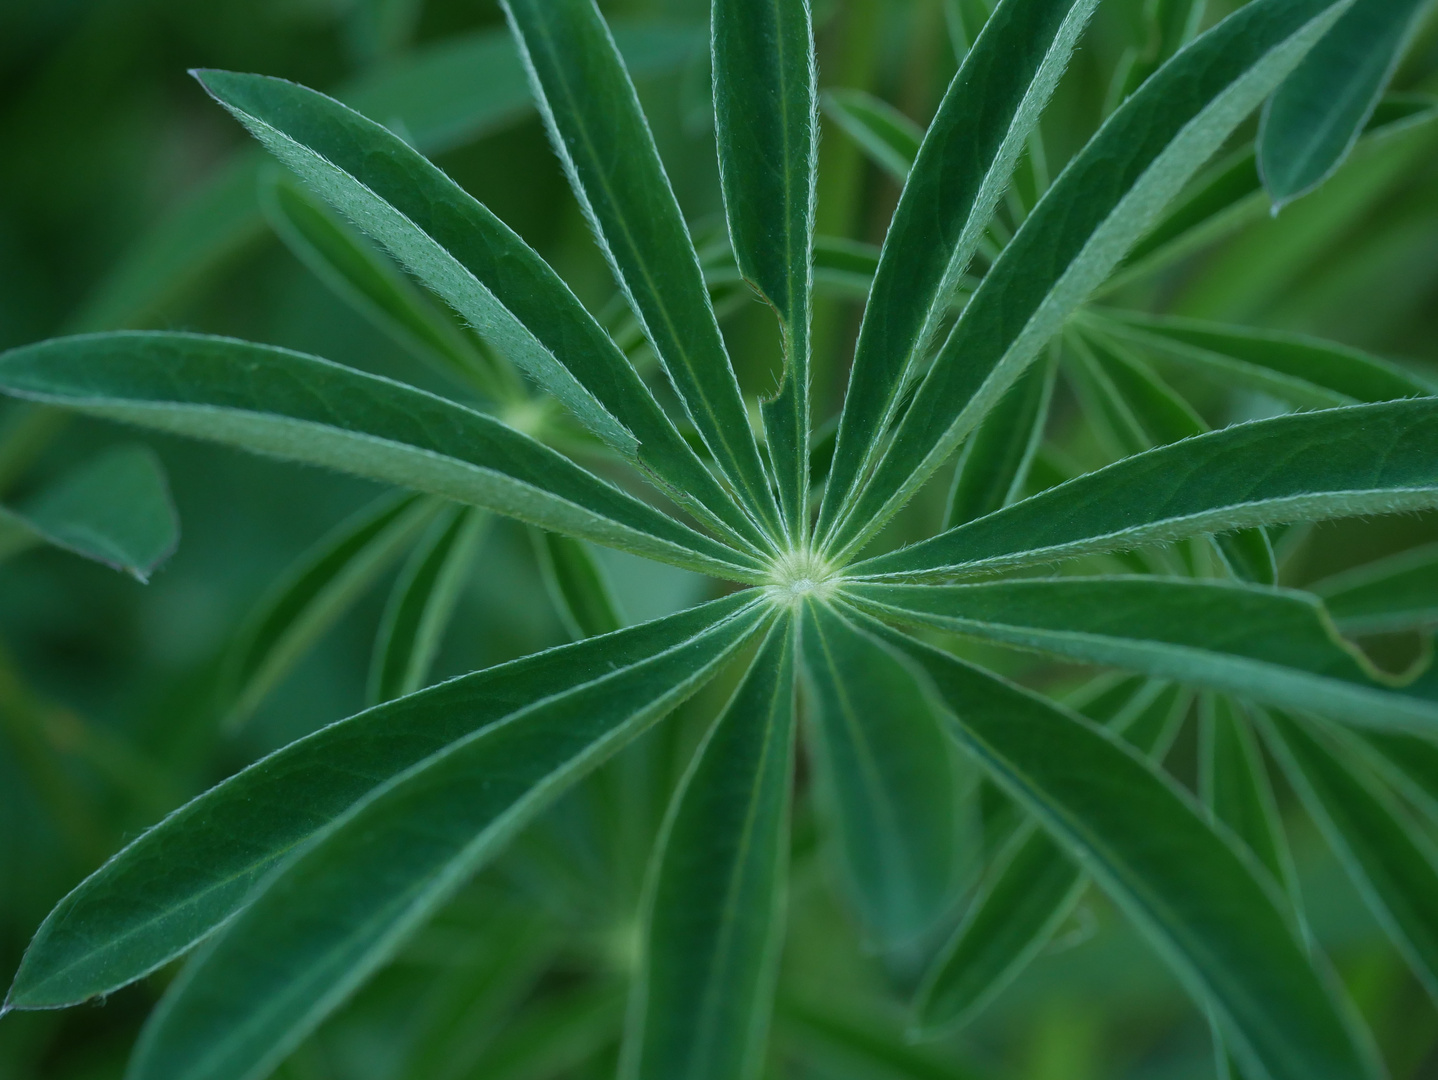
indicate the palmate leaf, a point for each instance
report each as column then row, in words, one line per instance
column 577, row 585
column 1363, row 459
column 964, row 164
column 139, row 911
column 887, row 136
column 704, row 993
column 1399, row 592
column 764, row 101
column 422, row 603
column 894, row 792
column 1314, row 118
column 306, row 409
column 1391, row 862
column 1273, row 645
column 600, row 133
column 1108, row 197
column 114, row 508
column 1198, row 901
column 478, row 265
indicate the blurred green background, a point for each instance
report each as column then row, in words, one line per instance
column 108, row 709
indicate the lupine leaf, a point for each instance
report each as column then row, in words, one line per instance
column 1033, row 886
column 1197, row 901
column 847, row 1041
column 1389, row 859
column 1399, row 592
column 1108, row 197
column 964, row 164
column 764, row 100
column 476, row 263
column 995, row 459
column 1316, row 115
column 1362, row 459
column 114, row 508
column 889, row 138
column 327, row 917
column 185, row 876
column 1275, row 645
column 600, row 134
column 702, row 999
column 368, row 281
column 1303, row 370
column 316, row 592
column 889, row 777
column 422, row 603
column 306, row 409
column 577, row 585
column 1233, row 783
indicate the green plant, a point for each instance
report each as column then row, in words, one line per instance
column 307, row 871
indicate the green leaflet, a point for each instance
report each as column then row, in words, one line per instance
column 306, row 409
column 600, row 134
column 894, row 791
column 995, row 460
column 849, row 1041
column 185, row 876
column 1391, row 862
column 1308, row 372
column 701, row 1002
column 1198, row 902
column 1032, row 887
column 1230, row 194
column 442, row 96
column 764, row 75
column 371, row 283
column 576, row 584
column 316, row 592
column 963, row 167
column 476, row 263
column 889, row 138
column 1107, row 197
column 1399, row 592
column 1317, row 113
column 114, row 508
column 1363, row 459
column 1233, row 783
column 1274, row 645
column 339, row 907
column 422, row 602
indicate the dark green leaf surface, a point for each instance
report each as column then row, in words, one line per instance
column 370, row 282
column 1363, row 459
column 316, row 593
column 601, row 135
column 1302, row 370
column 1233, row 783
column 1273, row 645
column 963, row 167
column 1391, row 862
column 701, row 1002
column 577, row 585
column 995, row 460
column 328, row 917
column 889, row 138
column 422, row 603
column 1143, row 839
column 306, row 409
column 1108, row 197
column 1399, row 592
column 476, row 263
column 114, row 508
column 764, row 100
column 888, row 773
column 1317, row 114
column 188, row 874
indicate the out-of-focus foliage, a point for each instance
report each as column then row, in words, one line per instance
column 128, row 200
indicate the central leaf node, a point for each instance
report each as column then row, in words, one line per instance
column 799, row 575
